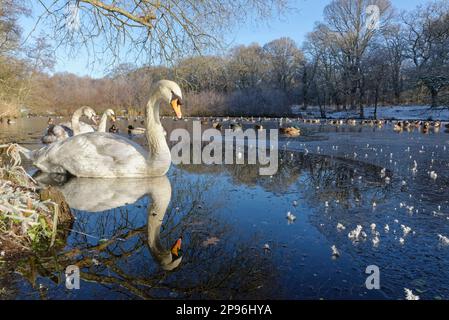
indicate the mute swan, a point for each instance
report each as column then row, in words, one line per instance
column 107, row 155
column 67, row 129
column 109, row 113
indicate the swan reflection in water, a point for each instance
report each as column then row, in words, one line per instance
column 98, row 195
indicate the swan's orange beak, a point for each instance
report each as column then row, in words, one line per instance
column 176, row 247
column 176, row 105
column 113, row 118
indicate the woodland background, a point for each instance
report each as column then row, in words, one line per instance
column 341, row 65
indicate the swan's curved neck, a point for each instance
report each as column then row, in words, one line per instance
column 76, row 121
column 160, row 195
column 159, row 151
column 102, row 125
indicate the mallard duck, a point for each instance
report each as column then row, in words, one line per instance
column 216, row 125
column 135, row 131
column 113, row 129
column 436, row 124
column 290, row 131
column 379, row 123
column 235, row 126
column 398, row 127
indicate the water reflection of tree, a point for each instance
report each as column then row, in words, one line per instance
column 350, row 182
column 229, row 269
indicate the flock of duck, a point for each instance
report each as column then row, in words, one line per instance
column 289, row 126
column 8, row 121
column 75, row 126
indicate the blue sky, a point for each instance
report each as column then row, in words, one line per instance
column 296, row 24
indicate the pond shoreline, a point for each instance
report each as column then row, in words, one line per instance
column 29, row 214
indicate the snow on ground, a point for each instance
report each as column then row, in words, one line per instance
column 384, row 112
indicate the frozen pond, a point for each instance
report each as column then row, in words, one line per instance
column 226, row 214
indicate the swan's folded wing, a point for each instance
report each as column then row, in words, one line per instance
column 100, row 154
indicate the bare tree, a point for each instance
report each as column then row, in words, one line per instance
column 325, row 72
column 427, row 32
column 395, row 47
column 153, row 30
column 203, row 73
column 350, row 23
column 10, row 30
column 375, row 73
column 247, row 67
column 12, row 69
column 285, row 60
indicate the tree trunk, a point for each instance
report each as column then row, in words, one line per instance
column 305, row 89
column 376, row 98
column 434, row 97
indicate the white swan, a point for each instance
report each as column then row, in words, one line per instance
column 65, row 130
column 107, row 155
column 109, row 113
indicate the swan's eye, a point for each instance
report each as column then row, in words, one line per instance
column 174, row 97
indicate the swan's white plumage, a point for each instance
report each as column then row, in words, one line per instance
column 84, row 128
column 102, row 154
column 107, row 155
column 108, row 113
column 65, row 130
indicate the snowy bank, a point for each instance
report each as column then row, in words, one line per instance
column 383, row 112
